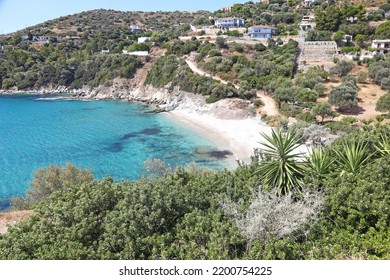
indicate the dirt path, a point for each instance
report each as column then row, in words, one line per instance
column 8, row 219
column 269, row 107
column 195, row 69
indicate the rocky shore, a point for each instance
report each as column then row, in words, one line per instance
column 232, row 123
column 162, row 98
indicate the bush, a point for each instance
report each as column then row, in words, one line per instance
column 211, row 99
column 266, row 215
column 163, row 71
column 49, row 180
column 362, row 77
column 306, row 117
column 221, row 42
column 214, row 52
column 350, row 49
column 380, row 118
column 319, row 89
column 260, row 47
column 385, row 83
column 383, row 104
column 342, row 68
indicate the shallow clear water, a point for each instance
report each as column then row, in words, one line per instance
column 110, row 137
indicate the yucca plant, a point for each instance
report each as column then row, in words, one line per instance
column 319, row 162
column 352, row 156
column 383, row 147
column 284, row 167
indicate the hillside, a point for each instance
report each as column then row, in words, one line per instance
column 332, row 204
column 111, row 21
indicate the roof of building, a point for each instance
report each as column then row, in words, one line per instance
column 229, row 18
column 262, row 26
column 381, row 40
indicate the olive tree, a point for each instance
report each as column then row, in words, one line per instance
column 344, row 97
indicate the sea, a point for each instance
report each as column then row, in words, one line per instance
column 111, row 138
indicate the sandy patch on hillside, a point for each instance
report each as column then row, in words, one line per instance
column 9, row 219
column 368, row 96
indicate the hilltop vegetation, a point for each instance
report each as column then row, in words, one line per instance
column 69, row 51
column 332, row 204
column 92, row 23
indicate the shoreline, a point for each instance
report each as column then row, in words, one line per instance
column 226, row 123
column 239, row 136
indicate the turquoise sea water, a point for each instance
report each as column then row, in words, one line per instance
column 110, row 137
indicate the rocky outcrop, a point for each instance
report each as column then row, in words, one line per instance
column 165, row 99
column 162, row 98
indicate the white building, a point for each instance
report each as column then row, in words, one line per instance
column 307, row 23
column 229, row 22
column 307, row 3
column 381, row 46
column 138, row 53
column 261, row 31
column 143, row 39
column 136, row 29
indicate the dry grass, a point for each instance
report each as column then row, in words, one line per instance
column 368, row 95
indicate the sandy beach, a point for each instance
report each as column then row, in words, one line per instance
column 240, row 136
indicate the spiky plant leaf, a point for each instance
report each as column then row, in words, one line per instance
column 319, row 162
column 283, row 171
column 352, row 157
column 383, row 147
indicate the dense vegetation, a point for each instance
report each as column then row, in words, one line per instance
column 258, row 72
column 193, row 213
column 95, row 22
column 333, row 204
column 64, row 65
column 68, row 51
column 170, row 70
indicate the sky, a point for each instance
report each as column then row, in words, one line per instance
column 19, row 14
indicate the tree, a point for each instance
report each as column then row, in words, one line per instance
column 282, row 169
column 338, row 36
column 328, row 19
column 383, row 104
column 344, row 97
column 221, row 42
column 342, row 68
column 48, row 180
column 359, row 39
column 383, row 30
column 385, row 83
column 323, row 110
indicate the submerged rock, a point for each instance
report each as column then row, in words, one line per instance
column 214, row 154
